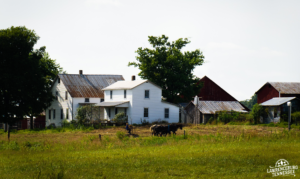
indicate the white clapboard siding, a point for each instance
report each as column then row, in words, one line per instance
column 137, row 103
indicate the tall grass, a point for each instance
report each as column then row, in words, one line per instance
column 218, row 154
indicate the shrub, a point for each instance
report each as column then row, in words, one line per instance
column 120, row 118
column 120, row 135
column 144, row 122
column 256, row 112
column 210, row 120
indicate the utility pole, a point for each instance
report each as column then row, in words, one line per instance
column 290, row 111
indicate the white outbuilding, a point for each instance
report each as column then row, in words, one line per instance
column 139, row 100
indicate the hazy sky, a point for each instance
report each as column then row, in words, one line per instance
column 245, row 43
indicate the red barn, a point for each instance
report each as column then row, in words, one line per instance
column 277, row 89
column 212, row 99
column 210, row 91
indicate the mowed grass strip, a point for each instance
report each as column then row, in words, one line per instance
column 81, row 155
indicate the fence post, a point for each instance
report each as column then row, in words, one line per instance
column 100, row 137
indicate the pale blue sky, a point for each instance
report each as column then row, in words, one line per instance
column 245, row 43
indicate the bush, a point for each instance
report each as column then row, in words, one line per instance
column 120, row 118
column 211, row 119
column 120, row 135
column 144, row 122
column 159, row 121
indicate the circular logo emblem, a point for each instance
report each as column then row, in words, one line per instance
column 281, row 163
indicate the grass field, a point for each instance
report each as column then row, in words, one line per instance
column 208, row 151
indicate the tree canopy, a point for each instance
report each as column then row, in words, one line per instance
column 26, row 75
column 170, row 68
column 250, row 103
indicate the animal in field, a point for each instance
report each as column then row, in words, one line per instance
column 165, row 129
column 174, row 128
column 154, row 130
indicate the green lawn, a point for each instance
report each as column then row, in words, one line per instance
column 80, row 154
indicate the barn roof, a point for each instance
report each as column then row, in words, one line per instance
column 211, row 107
column 284, row 87
column 277, row 101
column 88, row 86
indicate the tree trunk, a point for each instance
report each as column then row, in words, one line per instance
column 8, row 131
column 31, row 122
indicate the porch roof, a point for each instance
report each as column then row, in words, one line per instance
column 277, row 101
column 114, row 104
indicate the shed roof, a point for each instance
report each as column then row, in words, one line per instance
column 285, row 87
column 111, row 104
column 88, row 86
column 211, row 107
column 127, row 85
column 277, row 101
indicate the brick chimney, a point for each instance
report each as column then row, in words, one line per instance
column 80, row 72
column 133, row 78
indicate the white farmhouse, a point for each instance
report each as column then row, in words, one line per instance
column 73, row 90
column 138, row 100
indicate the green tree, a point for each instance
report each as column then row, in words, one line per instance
column 26, row 75
column 87, row 113
column 296, row 117
column 256, row 112
column 170, row 68
column 249, row 103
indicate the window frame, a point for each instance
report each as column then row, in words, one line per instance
column 111, row 94
column 58, row 80
column 148, row 94
column 125, row 111
column 67, row 113
column 109, row 112
column 101, row 100
column 61, row 113
column 145, row 113
column 86, row 100
column 53, row 113
column 56, row 95
column 66, row 95
column 167, row 113
column 116, row 110
column 125, row 94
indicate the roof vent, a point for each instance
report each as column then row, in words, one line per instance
column 133, row 78
column 80, row 72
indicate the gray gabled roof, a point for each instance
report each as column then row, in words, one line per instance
column 88, row 86
column 284, row 87
column 211, row 107
column 277, row 101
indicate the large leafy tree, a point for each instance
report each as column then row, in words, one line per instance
column 26, row 75
column 250, row 103
column 169, row 67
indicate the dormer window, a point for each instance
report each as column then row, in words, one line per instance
column 87, row 100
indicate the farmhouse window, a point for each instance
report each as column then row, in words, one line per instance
column 101, row 100
column 124, row 93
column 58, row 80
column 125, row 111
column 66, row 95
column 166, row 112
column 147, row 94
column 87, row 100
column 56, row 95
column 108, row 112
column 111, row 93
column 53, row 113
column 67, row 113
column 116, row 110
column 61, row 113
column 49, row 114
column 146, row 112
